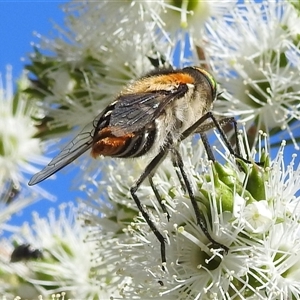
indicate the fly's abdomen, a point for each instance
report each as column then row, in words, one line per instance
column 124, row 146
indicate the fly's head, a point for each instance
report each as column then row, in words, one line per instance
column 205, row 88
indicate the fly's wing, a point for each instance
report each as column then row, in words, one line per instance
column 133, row 112
column 80, row 144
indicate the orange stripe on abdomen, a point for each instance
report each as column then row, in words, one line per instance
column 106, row 144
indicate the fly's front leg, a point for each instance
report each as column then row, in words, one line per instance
column 202, row 125
column 200, row 221
column 207, row 147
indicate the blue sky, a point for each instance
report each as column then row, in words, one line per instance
column 18, row 21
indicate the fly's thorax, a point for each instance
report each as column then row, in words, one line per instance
column 176, row 118
column 190, row 108
column 196, row 101
column 184, row 112
column 162, row 80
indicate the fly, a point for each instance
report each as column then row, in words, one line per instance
column 152, row 115
column 25, row 252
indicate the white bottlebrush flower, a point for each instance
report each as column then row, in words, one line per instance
column 190, row 16
column 12, row 284
column 105, row 46
column 12, row 205
column 19, row 148
column 276, row 261
column 183, row 26
column 242, row 205
column 186, row 14
column 243, row 209
column 257, row 216
column 68, row 261
column 254, row 54
column 108, row 186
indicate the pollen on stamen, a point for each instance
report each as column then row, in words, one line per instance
column 180, row 229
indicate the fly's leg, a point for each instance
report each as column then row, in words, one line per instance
column 200, row 126
column 219, row 125
column 158, row 196
column 204, row 127
column 177, row 167
column 178, row 173
column 207, row 147
column 148, row 172
column 176, row 157
column 185, row 183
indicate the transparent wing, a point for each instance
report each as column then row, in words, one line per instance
column 133, row 112
column 80, row 144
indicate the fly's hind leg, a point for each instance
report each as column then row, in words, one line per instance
column 158, row 197
column 148, row 172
